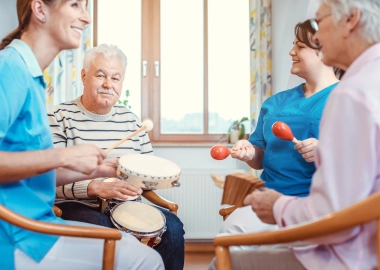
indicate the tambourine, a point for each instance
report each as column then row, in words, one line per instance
column 148, row 172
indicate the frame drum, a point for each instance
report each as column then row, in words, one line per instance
column 148, row 172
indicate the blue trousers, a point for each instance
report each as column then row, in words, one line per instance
column 171, row 248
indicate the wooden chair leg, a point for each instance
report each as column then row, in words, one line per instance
column 378, row 243
column 109, row 254
column 223, row 258
column 57, row 211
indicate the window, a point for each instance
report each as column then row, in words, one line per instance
column 188, row 63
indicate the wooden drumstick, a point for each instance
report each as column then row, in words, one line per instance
column 147, row 125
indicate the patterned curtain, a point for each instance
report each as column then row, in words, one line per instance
column 63, row 75
column 261, row 55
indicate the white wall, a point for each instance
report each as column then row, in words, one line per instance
column 285, row 15
column 8, row 17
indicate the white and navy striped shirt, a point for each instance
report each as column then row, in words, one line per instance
column 72, row 124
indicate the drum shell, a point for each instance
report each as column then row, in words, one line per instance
column 106, row 205
column 151, row 238
column 147, row 183
column 148, row 172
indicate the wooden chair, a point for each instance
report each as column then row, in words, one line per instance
column 153, row 197
column 109, row 235
column 226, row 211
column 357, row 214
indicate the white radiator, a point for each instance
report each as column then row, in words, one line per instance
column 199, row 201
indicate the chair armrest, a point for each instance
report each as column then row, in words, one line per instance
column 57, row 229
column 153, row 197
column 226, row 211
column 57, row 211
column 109, row 235
column 357, row 214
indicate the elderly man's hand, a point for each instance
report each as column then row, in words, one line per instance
column 262, row 202
column 108, row 190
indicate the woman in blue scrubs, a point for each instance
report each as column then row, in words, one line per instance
column 27, row 158
column 287, row 168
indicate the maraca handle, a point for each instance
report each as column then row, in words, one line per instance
column 295, row 140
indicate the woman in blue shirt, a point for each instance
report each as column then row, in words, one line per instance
column 27, row 157
column 287, row 168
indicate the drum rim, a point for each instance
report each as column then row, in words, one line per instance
column 173, row 177
column 125, row 229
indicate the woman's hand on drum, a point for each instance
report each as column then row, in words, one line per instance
column 243, row 150
column 108, row 190
column 83, row 158
column 307, row 148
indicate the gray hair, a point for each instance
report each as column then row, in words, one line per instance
column 370, row 15
column 108, row 51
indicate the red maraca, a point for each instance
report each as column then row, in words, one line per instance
column 283, row 131
column 220, row 152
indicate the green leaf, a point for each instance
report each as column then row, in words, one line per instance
column 242, row 132
column 243, row 119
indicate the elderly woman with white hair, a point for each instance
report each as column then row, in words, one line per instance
column 348, row 155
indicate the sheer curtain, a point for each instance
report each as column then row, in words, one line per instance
column 261, row 55
column 63, row 75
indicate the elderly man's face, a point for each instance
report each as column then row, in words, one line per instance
column 102, row 84
column 328, row 36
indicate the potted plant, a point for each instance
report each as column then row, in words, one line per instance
column 237, row 130
column 125, row 101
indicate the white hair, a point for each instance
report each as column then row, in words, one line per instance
column 108, row 51
column 370, row 15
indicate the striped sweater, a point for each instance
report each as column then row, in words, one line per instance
column 71, row 124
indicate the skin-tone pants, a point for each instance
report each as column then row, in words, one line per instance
column 263, row 259
column 70, row 253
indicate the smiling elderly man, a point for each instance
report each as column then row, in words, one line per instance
column 94, row 118
column 348, row 155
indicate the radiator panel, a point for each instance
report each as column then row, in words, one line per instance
column 199, row 201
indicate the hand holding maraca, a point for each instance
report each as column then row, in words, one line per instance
column 305, row 147
column 242, row 150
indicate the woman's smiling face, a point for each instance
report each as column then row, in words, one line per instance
column 65, row 22
column 304, row 59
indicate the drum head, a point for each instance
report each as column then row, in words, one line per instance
column 138, row 217
column 149, row 166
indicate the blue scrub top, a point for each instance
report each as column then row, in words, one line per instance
column 24, row 127
column 284, row 169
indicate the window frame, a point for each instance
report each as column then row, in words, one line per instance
column 150, row 84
